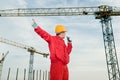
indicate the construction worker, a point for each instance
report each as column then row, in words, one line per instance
column 59, row 52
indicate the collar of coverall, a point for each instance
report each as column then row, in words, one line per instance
column 59, row 37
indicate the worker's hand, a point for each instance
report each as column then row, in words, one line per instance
column 68, row 39
column 34, row 25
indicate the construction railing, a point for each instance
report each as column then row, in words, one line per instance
column 18, row 75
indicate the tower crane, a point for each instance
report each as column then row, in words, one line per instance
column 1, row 62
column 102, row 12
column 29, row 49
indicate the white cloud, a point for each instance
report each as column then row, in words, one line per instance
column 5, row 4
column 22, row 3
column 108, row 2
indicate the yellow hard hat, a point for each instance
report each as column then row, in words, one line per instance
column 60, row 28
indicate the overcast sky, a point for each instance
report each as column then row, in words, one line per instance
column 87, row 61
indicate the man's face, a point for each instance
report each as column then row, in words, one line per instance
column 63, row 35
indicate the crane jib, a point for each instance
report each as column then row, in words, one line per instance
column 64, row 11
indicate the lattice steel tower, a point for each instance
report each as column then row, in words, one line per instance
column 109, row 43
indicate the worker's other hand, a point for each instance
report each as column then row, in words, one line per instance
column 34, row 25
column 68, row 39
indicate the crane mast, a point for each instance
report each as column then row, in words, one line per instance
column 109, row 43
column 110, row 50
column 102, row 12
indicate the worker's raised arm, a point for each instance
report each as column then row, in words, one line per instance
column 46, row 36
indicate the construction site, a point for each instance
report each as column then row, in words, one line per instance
column 93, row 30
